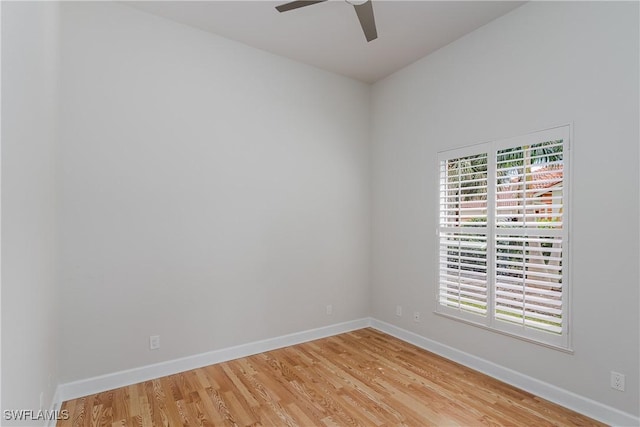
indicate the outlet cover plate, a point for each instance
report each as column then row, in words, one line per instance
column 154, row 342
column 617, row 381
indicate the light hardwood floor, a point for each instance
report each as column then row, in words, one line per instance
column 363, row 378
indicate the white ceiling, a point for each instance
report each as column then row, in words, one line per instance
column 328, row 35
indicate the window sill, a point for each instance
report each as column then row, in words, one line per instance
column 567, row 350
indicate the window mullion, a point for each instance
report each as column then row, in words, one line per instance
column 491, row 232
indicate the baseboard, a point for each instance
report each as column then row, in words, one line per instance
column 56, row 402
column 73, row 390
column 542, row 389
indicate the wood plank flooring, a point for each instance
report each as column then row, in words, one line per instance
column 361, row 378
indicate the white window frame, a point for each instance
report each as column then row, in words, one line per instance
column 559, row 341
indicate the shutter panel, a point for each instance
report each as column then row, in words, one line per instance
column 529, row 188
column 463, row 235
column 529, row 236
column 463, row 191
column 528, row 288
column 463, row 271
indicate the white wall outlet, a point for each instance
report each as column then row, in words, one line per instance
column 416, row 316
column 617, row 381
column 399, row 310
column 154, row 342
column 329, row 309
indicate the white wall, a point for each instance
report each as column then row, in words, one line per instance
column 29, row 105
column 212, row 193
column 541, row 65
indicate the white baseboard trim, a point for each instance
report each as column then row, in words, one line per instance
column 56, row 402
column 547, row 391
column 75, row 389
column 542, row 389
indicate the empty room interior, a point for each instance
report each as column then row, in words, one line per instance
column 272, row 213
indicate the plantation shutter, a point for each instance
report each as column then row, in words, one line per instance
column 502, row 235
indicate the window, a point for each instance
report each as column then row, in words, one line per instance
column 503, row 235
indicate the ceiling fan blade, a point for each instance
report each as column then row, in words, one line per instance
column 297, row 4
column 367, row 21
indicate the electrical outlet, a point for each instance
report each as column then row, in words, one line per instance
column 399, row 310
column 416, row 316
column 329, row 309
column 617, row 381
column 154, row 342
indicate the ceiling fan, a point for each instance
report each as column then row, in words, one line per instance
column 364, row 10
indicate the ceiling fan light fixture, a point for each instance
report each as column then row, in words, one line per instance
column 356, row 2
